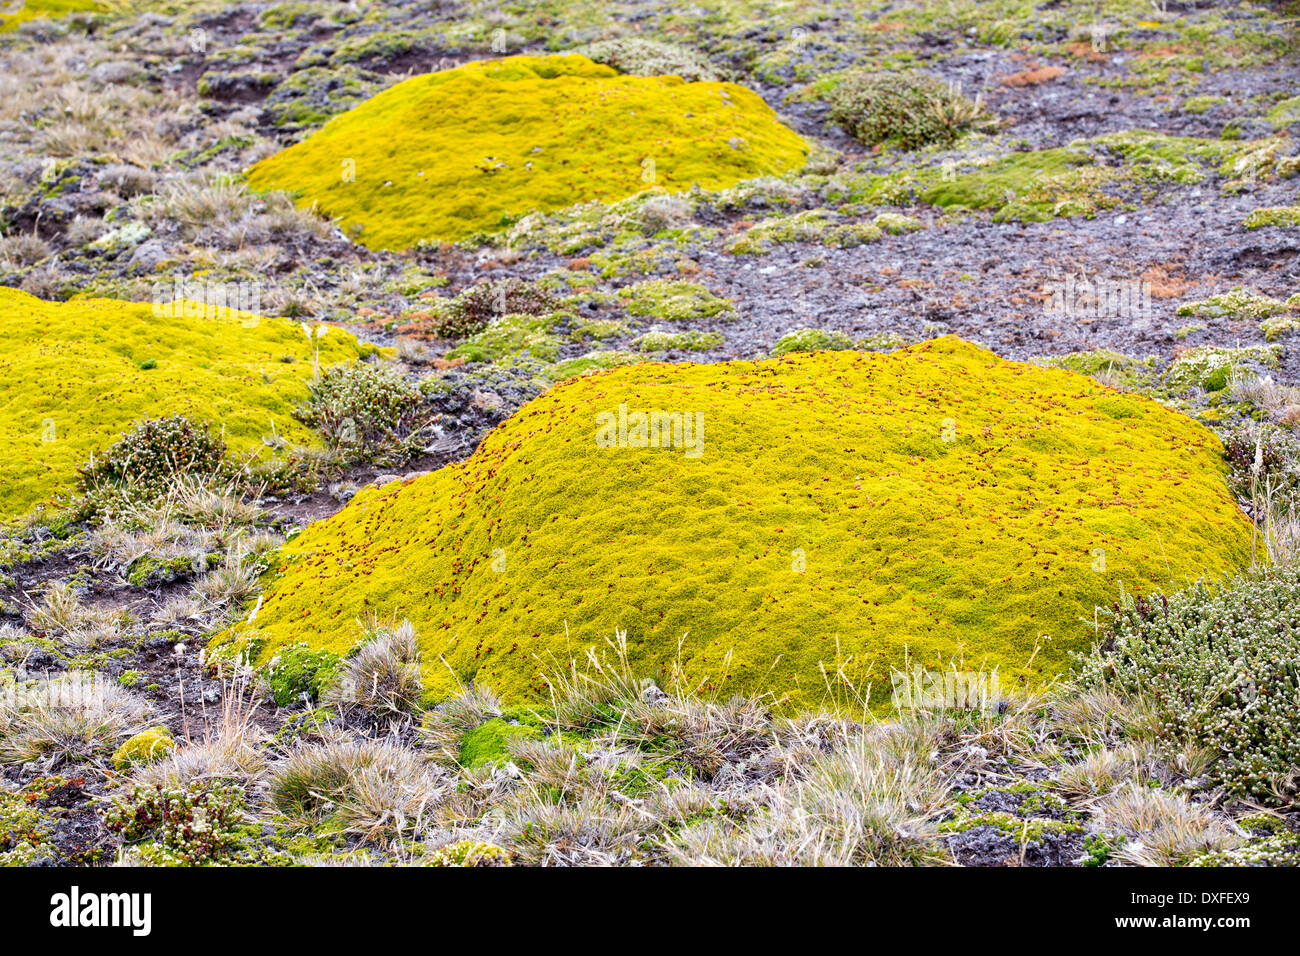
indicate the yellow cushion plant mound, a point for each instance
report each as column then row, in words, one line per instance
column 844, row 509
column 449, row 154
column 14, row 12
column 75, row 375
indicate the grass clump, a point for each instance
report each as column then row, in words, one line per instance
column 494, row 560
column 75, row 717
column 383, row 675
column 376, row 790
column 909, row 109
column 1218, row 665
column 455, row 176
column 1163, row 828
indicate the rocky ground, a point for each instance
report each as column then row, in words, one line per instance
column 123, row 137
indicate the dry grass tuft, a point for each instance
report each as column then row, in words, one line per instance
column 1164, row 829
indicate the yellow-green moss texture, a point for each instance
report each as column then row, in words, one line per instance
column 144, row 747
column 75, row 375
column 933, row 503
column 449, row 154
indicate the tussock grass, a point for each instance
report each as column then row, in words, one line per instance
column 379, row 790
column 384, row 677
column 1165, row 829
column 77, row 716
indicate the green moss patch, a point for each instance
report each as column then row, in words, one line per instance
column 818, row 225
column 1239, row 303
column 76, row 375
column 674, row 301
column 1281, row 217
column 447, row 155
column 844, row 509
column 1212, row 368
column 488, row 742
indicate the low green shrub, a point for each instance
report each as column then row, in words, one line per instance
column 152, row 454
column 1220, row 666
column 910, row 109
column 366, row 412
column 193, row 825
column 472, row 310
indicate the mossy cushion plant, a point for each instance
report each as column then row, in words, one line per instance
column 864, row 509
column 144, row 747
column 464, row 151
column 77, row 375
column 13, row 13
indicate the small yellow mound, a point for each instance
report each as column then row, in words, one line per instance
column 930, row 504
column 75, row 375
column 145, row 747
column 449, row 154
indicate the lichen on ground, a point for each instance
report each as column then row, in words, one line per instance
column 417, row 162
column 845, row 510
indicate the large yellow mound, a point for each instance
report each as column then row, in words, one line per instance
column 448, row 154
column 75, row 375
column 936, row 502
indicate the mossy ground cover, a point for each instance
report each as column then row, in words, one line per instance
column 1081, row 179
column 846, row 509
column 77, row 374
column 469, row 150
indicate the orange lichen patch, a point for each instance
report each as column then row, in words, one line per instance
column 1087, row 52
column 1166, row 282
column 1032, row 77
column 1162, row 52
